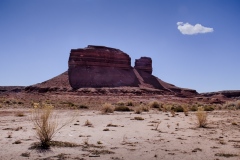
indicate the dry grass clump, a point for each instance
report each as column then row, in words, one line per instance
column 46, row 123
column 173, row 113
column 107, row 108
column 201, row 117
column 142, row 108
column 232, row 105
column 129, row 103
column 122, row 109
column 193, row 108
column 177, row 108
column 208, row 108
column 155, row 104
column 185, row 110
column 138, row 110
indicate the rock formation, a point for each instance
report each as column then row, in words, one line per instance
column 99, row 66
column 144, row 64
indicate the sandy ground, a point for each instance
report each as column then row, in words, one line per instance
column 174, row 138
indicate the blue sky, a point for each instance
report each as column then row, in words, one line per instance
column 36, row 37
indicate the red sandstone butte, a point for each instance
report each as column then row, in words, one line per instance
column 100, row 66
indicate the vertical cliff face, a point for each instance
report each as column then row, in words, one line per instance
column 144, row 64
column 99, row 66
column 99, row 56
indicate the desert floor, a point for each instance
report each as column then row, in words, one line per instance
column 119, row 136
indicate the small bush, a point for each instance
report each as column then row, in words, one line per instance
column 145, row 108
column 107, row 108
column 193, row 108
column 185, row 110
column 82, row 106
column 155, row 105
column 122, row 109
column 138, row 110
column 232, row 105
column 173, row 113
column 120, row 104
column 208, row 108
column 177, row 108
column 130, row 103
column 201, row 117
column 46, row 124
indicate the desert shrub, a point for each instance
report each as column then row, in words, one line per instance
column 185, row 110
column 107, row 108
column 120, row 104
column 142, row 108
column 232, row 105
column 46, row 123
column 122, row 109
column 177, row 108
column 138, row 110
column 155, row 104
column 83, row 106
column 193, row 108
column 173, row 113
column 129, row 103
column 201, row 117
column 208, row 108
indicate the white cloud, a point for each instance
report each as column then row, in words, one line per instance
column 190, row 29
